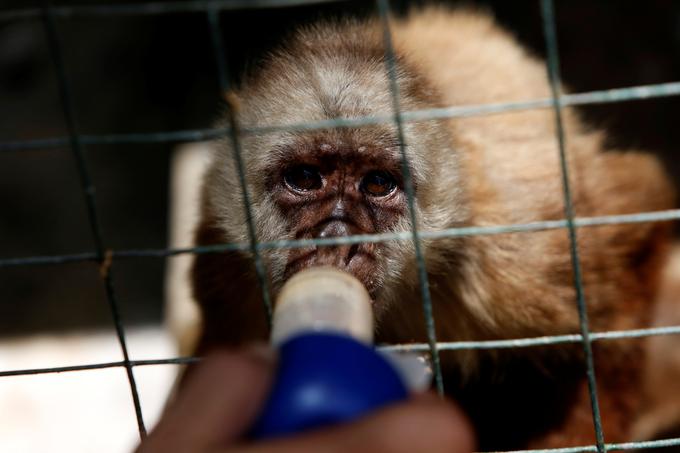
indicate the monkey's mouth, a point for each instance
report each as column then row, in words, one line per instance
column 357, row 260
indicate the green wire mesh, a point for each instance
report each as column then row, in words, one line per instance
column 49, row 14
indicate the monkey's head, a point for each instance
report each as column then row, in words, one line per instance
column 334, row 182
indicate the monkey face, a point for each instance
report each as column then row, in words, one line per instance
column 338, row 188
column 334, row 182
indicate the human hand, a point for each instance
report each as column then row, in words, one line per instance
column 224, row 395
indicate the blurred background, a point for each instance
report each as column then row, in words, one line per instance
column 154, row 73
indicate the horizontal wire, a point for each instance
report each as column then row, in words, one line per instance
column 42, row 260
column 661, row 443
column 667, row 215
column 535, row 341
column 155, row 8
column 191, row 135
column 413, row 347
column 187, row 135
column 99, row 366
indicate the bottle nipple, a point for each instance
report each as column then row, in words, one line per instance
column 323, row 299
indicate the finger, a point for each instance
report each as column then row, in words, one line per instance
column 219, row 402
column 425, row 424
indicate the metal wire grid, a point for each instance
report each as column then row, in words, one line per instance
column 106, row 257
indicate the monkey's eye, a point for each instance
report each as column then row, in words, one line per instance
column 378, row 184
column 303, row 178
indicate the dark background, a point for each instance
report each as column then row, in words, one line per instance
column 158, row 73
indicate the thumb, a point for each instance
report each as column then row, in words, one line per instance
column 218, row 404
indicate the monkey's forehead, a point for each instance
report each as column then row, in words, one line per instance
column 325, row 74
column 326, row 71
column 315, row 92
column 302, row 94
column 376, row 145
column 324, row 93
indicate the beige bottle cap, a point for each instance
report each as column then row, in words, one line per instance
column 323, row 299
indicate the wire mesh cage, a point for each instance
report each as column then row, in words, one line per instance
column 107, row 258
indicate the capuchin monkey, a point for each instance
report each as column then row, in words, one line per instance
column 475, row 171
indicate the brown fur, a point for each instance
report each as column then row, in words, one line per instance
column 485, row 170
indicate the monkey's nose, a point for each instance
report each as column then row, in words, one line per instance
column 334, row 228
column 336, row 255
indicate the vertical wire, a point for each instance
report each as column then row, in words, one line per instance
column 383, row 8
column 218, row 48
column 89, row 192
column 547, row 10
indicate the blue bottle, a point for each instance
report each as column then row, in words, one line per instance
column 328, row 370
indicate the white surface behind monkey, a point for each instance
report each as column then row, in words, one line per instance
column 80, row 411
column 182, row 317
column 92, row 410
